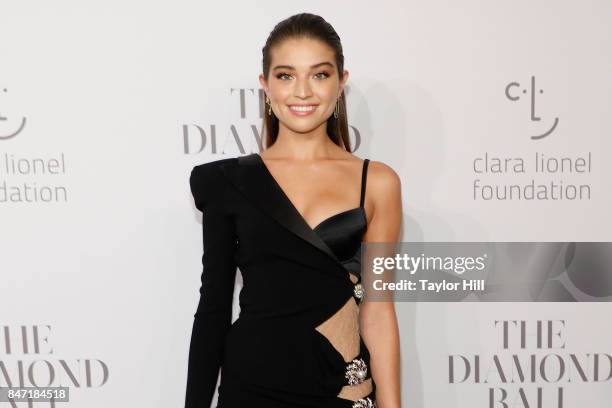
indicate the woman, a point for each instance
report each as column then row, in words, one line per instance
column 293, row 219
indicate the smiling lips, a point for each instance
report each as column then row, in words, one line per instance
column 302, row 110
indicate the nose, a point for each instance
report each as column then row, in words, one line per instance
column 302, row 88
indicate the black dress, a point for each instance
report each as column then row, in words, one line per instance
column 296, row 342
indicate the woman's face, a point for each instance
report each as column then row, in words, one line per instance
column 303, row 72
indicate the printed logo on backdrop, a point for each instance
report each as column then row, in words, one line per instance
column 26, row 178
column 10, row 127
column 543, row 174
column 513, row 93
column 28, row 358
column 243, row 133
column 534, row 367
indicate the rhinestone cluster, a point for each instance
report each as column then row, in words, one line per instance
column 359, row 291
column 356, row 371
column 364, row 403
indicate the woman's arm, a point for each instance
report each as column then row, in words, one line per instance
column 378, row 320
column 212, row 319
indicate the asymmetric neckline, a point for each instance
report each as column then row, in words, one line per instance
column 294, row 208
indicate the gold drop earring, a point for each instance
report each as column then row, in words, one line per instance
column 337, row 108
column 269, row 105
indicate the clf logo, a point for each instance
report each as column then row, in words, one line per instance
column 9, row 126
column 514, row 91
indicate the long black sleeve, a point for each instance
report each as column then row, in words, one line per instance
column 212, row 319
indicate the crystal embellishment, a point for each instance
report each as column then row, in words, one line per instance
column 356, row 371
column 364, row 403
column 359, row 291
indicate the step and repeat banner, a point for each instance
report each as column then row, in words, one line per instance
column 496, row 116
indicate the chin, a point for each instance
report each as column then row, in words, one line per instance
column 305, row 126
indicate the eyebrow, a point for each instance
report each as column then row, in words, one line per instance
column 312, row 66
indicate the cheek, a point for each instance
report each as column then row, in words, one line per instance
column 280, row 90
column 327, row 99
column 280, row 95
column 328, row 95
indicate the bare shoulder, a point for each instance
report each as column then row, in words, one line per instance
column 384, row 199
column 382, row 179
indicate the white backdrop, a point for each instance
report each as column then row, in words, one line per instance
column 100, row 255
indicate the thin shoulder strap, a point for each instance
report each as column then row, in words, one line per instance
column 364, row 174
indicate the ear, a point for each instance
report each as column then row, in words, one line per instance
column 263, row 83
column 343, row 80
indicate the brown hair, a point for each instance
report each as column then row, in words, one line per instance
column 315, row 27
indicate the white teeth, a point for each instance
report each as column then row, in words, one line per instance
column 302, row 108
